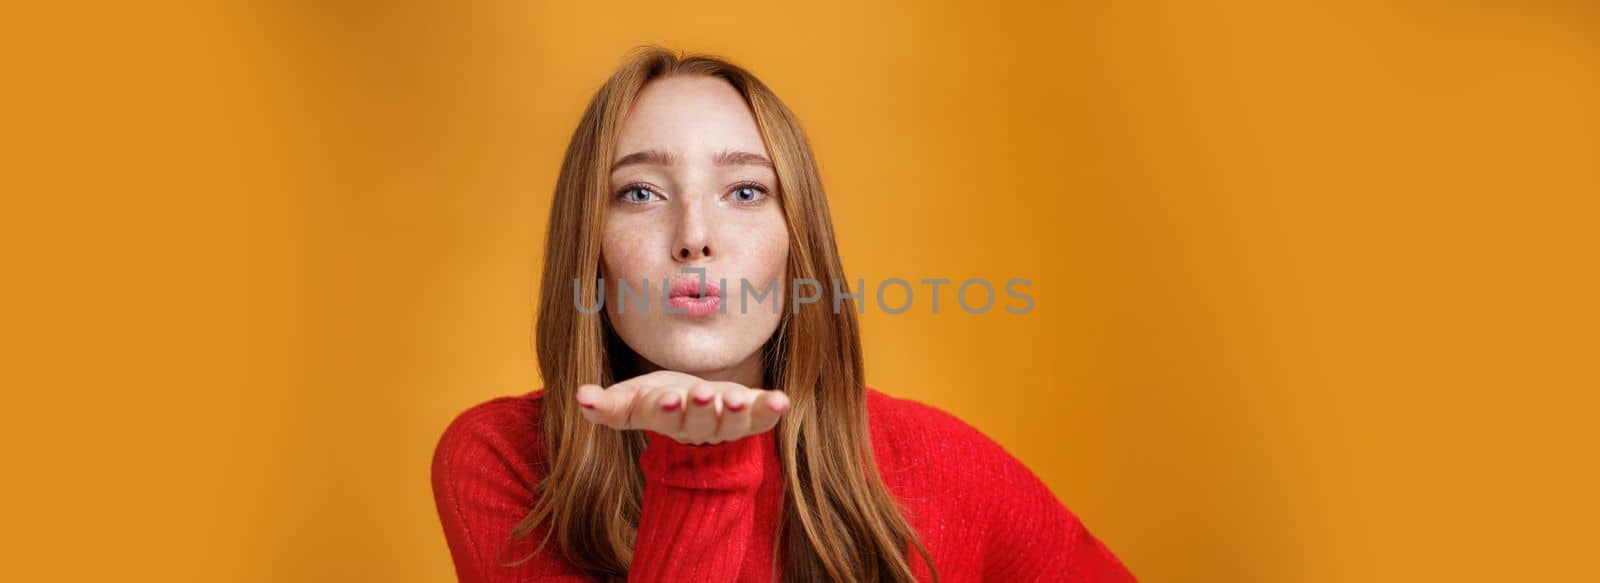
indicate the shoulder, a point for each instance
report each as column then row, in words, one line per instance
column 513, row 410
column 486, row 471
column 968, row 484
column 512, row 418
column 497, row 438
column 909, row 421
column 925, row 440
column 893, row 409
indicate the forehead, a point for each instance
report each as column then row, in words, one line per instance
column 689, row 115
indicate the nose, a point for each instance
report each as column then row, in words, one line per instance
column 694, row 236
column 689, row 253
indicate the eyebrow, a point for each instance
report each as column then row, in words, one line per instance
column 732, row 158
column 724, row 158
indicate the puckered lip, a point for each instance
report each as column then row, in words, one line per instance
column 689, row 287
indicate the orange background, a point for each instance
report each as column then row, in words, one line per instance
column 1317, row 287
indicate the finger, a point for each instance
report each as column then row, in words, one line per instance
column 615, row 406
column 767, row 409
column 700, row 421
column 736, row 407
column 606, row 406
column 660, row 410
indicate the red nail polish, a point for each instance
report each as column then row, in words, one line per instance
column 670, row 403
column 586, row 405
column 734, row 406
column 701, row 401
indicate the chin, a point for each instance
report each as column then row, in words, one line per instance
column 697, row 351
column 698, row 358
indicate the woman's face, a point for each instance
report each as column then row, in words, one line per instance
column 692, row 186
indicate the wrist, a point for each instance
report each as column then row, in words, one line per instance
column 729, row 464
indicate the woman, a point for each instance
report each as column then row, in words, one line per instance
column 703, row 433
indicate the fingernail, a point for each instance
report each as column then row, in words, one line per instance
column 702, row 399
column 780, row 404
column 586, row 405
column 670, row 403
column 733, row 403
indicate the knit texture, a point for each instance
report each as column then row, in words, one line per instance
column 710, row 512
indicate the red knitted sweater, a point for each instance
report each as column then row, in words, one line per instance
column 710, row 512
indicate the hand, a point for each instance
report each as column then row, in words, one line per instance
column 683, row 407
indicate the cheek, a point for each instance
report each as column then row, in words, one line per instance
column 761, row 261
column 764, row 248
column 624, row 249
column 625, row 257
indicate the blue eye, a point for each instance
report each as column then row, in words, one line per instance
column 748, row 194
column 636, row 194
